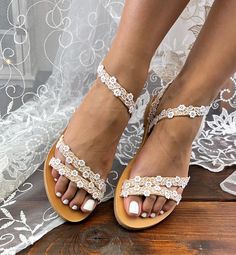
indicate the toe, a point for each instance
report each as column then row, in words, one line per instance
column 89, row 204
column 170, row 204
column 78, row 199
column 55, row 175
column 70, row 193
column 133, row 205
column 157, row 208
column 61, row 186
column 147, row 207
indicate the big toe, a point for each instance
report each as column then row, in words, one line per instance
column 133, row 205
column 89, row 204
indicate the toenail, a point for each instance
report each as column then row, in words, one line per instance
column 55, row 179
column 65, row 202
column 144, row 215
column 58, row 194
column 89, row 205
column 133, row 207
column 153, row 215
column 74, row 207
column 161, row 212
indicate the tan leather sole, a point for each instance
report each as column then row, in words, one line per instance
column 64, row 211
column 126, row 221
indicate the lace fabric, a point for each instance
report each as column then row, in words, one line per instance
column 26, row 133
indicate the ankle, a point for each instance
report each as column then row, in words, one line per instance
column 130, row 72
column 113, row 110
column 180, row 131
column 197, row 90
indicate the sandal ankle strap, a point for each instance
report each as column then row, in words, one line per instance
column 111, row 82
column 180, row 111
column 156, row 101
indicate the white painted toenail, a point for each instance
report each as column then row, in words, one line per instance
column 65, row 202
column 74, row 207
column 133, row 207
column 153, row 215
column 55, row 179
column 58, row 194
column 89, row 205
column 144, row 215
column 161, row 212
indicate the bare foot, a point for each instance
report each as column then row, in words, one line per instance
column 94, row 132
column 166, row 153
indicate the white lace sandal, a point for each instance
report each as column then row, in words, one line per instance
column 158, row 185
column 81, row 174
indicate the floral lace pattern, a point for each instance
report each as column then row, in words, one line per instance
column 18, row 229
column 26, row 133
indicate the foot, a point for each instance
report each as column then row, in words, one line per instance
column 166, row 153
column 94, row 132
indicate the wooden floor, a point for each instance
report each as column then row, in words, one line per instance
column 204, row 223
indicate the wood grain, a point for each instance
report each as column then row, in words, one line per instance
column 203, row 224
column 205, row 185
column 194, row 228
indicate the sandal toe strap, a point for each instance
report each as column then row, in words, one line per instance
column 159, row 186
column 80, row 181
column 79, row 164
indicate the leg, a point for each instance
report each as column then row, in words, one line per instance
column 94, row 131
column 213, row 57
column 210, row 63
column 134, row 45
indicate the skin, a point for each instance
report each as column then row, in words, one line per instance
column 210, row 63
column 94, row 131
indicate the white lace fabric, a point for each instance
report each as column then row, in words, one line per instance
column 27, row 133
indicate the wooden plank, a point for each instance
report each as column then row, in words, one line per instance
column 194, row 228
column 205, row 185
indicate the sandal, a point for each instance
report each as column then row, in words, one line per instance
column 82, row 175
column 158, row 185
